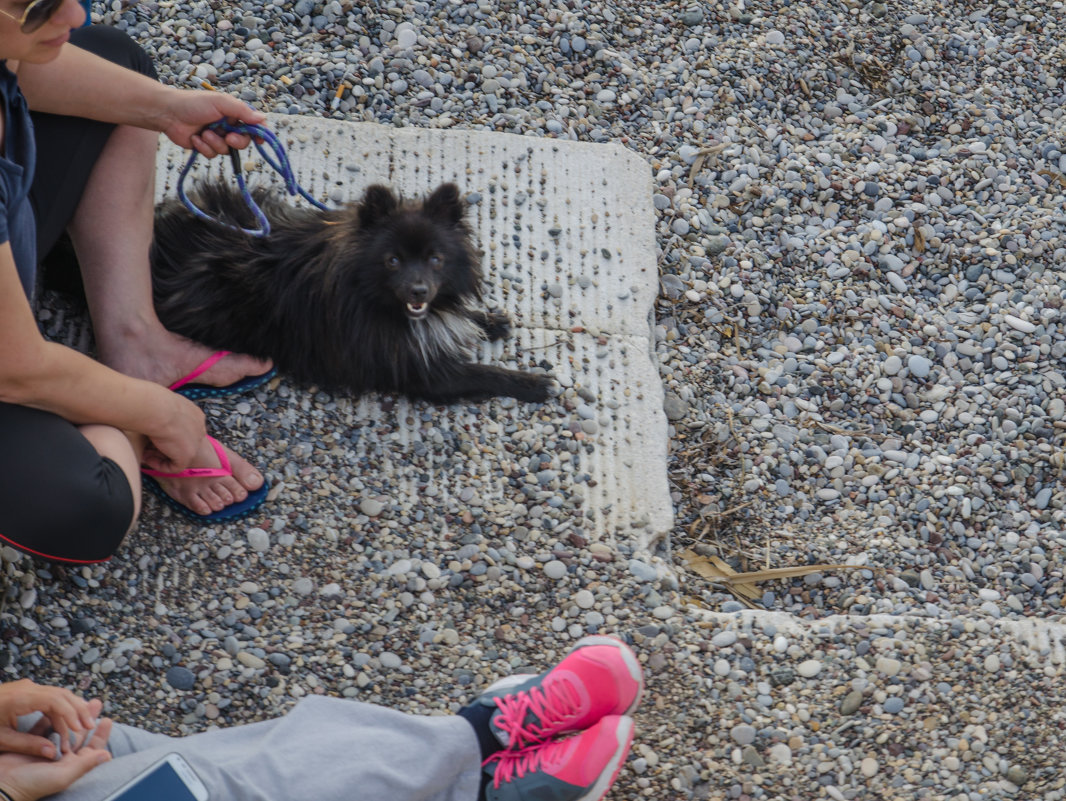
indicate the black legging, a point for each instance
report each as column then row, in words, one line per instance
column 59, row 499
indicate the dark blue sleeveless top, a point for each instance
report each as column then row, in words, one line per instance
column 17, row 224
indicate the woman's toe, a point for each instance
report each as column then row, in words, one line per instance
column 244, row 474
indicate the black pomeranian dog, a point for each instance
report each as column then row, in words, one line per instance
column 381, row 295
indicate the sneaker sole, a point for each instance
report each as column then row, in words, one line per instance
column 630, row 659
column 614, row 766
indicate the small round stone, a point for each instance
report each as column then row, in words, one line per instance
column 555, row 570
column 742, row 734
column 585, row 599
column 250, row 660
column 180, row 678
column 371, row 507
column 780, row 753
column 809, row 668
column 851, row 703
column 258, row 540
column 724, row 639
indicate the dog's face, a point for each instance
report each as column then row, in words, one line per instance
column 423, row 249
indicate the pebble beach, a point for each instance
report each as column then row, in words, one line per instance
column 862, row 337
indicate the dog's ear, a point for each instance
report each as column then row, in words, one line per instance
column 378, row 202
column 445, row 204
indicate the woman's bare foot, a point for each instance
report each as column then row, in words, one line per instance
column 207, row 495
column 163, row 357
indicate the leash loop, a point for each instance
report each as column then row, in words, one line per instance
column 272, row 152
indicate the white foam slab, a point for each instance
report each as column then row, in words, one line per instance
column 567, row 232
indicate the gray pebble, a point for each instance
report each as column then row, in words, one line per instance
column 180, row 678
column 554, row 569
column 258, row 540
column 742, row 734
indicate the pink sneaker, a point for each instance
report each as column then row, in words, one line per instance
column 578, row 768
column 600, row 676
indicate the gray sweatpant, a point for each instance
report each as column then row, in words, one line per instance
column 326, row 749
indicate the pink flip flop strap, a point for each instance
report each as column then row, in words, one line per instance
column 202, row 367
column 198, row 472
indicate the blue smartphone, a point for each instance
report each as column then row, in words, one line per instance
column 169, row 779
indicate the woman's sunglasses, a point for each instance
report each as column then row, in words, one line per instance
column 35, row 15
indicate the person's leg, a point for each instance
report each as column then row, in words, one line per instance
column 112, row 231
column 98, row 182
column 330, row 749
column 201, row 495
column 66, row 495
column 325, row 749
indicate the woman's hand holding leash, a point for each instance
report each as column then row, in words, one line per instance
column 190, row 112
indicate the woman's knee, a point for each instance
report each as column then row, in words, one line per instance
column 60, row 498
column 85, row 519
column 115, row 46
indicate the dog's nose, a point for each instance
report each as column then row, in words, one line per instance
column 419, row 293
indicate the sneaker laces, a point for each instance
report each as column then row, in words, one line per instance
column 511, row 765
column 531, row 715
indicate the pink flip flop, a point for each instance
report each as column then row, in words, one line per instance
column 231, row 512
column 225, row 469
column 199, row 391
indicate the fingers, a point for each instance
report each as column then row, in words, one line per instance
column 64, row 719
column 101, row 735
column 234, row 110
column 157, row 460
column 69, row 716
column 65, row 709
column 85, row 710
column 26, row 743
column 238, row 141
column 209, row 144
column 73, row 766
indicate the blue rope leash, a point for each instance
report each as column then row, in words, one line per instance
column 263, row 139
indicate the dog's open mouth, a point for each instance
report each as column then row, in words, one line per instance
column 416, row 311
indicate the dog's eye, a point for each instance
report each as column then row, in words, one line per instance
column 435, row 261
column 393, row 262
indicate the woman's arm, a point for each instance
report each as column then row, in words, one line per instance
column 78, row 83
column 49, row 376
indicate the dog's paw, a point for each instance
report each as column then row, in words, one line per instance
column 496, row 326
